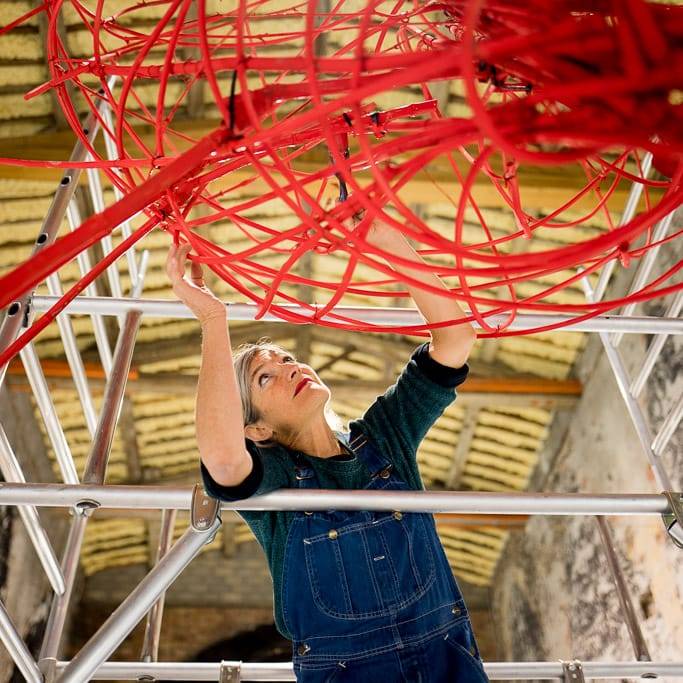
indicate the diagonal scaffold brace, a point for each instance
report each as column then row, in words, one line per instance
column 205, row 522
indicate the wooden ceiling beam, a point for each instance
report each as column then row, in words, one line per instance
column 488, row 382
column 542, row 187
column 342, row 355
column 396, row 348
column 528, row 393
column 19, row 419
column 129, row 438
column 187, row 345
column 462, row 447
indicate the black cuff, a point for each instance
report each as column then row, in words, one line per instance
column 229, row 493
column 444, row 375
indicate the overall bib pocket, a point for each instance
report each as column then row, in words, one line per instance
column 371, row 568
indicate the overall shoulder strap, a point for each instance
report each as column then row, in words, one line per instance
column 304, row 474
column 367, row 451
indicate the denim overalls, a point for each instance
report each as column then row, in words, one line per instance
column 370, row 596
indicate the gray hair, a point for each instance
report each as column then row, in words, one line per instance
column 241, row 359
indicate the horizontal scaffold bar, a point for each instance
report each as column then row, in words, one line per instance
column 283, row 672
column 168, row 308
column 454, row 502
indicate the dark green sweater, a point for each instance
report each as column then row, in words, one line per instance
column 396, row 422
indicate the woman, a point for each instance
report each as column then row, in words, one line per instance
column 363, row 596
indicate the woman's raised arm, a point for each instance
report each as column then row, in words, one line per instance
column 451, row 345
column 218, row 415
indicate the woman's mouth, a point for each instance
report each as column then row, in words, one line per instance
column 301, row 385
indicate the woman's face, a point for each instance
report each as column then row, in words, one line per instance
column 287, row 394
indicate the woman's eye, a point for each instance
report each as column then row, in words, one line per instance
column 260, row 379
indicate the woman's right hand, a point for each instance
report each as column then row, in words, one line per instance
column 194, row 294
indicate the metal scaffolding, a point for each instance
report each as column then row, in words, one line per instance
column 147, row 598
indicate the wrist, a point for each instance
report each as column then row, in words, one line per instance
column 385, row 237
column 218, row 317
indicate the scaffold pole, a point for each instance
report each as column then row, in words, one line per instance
column 169, row 308
column 182, row 671
column 137, row 497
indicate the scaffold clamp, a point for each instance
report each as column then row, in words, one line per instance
column 204, row 509
column 230, row 672
column 572, row 672
column 28, row 309
column 86, row 507
column 673, row 521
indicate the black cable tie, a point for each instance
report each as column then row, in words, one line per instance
column 231, row 102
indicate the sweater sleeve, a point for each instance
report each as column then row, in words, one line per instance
column 267, row 474
column 443, row 375
column 407, row 409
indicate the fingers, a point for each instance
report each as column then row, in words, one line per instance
column 175, row 261
column 183, row 251
column 172, row 265
column 197, row 274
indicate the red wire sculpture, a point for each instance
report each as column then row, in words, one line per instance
column 587, row 84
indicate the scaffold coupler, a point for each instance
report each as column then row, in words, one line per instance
column 204, row 509
column 230, row 672
column 572, row 672
column 673, row 521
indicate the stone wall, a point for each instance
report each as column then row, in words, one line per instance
column 553, row 594
column 210, row 580
column 24, row 588
column 215, row 598
column 185, row 631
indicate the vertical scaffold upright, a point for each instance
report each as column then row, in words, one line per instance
column 84, row 495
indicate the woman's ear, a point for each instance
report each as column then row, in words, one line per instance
column 258, row 432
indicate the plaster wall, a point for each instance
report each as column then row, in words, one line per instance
column 553, row 595
column 24, row 589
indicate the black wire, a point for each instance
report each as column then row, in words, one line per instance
column 343, row 191
column 231, row 101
